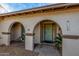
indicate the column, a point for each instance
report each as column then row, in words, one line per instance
column 29, row 41
column 5, row 38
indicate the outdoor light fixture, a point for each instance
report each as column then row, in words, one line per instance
column 68, row 25
column 28, row 29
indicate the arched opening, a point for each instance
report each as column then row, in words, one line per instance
column 17, row 37
column 45, row 34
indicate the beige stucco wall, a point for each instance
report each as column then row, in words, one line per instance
column 37, row 34
column 70, row 47
column 29, row 22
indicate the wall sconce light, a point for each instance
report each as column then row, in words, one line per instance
column 28, row 29
column 68, row 25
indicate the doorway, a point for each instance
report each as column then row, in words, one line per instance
column 17, row 37
column 45, row 33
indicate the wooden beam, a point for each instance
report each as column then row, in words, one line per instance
column 29, row 34
column 7, row 33
column 71, row 36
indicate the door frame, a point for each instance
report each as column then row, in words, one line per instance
column 42, row 27
column 44, row 31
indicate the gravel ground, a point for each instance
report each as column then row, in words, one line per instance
column 47, row 50
column 15, row 50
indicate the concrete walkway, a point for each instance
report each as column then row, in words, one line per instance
column 46, row 50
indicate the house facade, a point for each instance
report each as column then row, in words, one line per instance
column 42, row 24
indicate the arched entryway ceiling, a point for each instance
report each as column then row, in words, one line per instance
column 12, row 23
column 55, row 21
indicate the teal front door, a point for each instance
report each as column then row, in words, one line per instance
column 48, row 33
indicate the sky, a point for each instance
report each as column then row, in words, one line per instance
column 20, row 6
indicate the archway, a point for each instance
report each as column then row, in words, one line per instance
column 45, row 33
column 17, row 37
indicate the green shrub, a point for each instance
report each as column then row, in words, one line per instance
column 58, row 42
